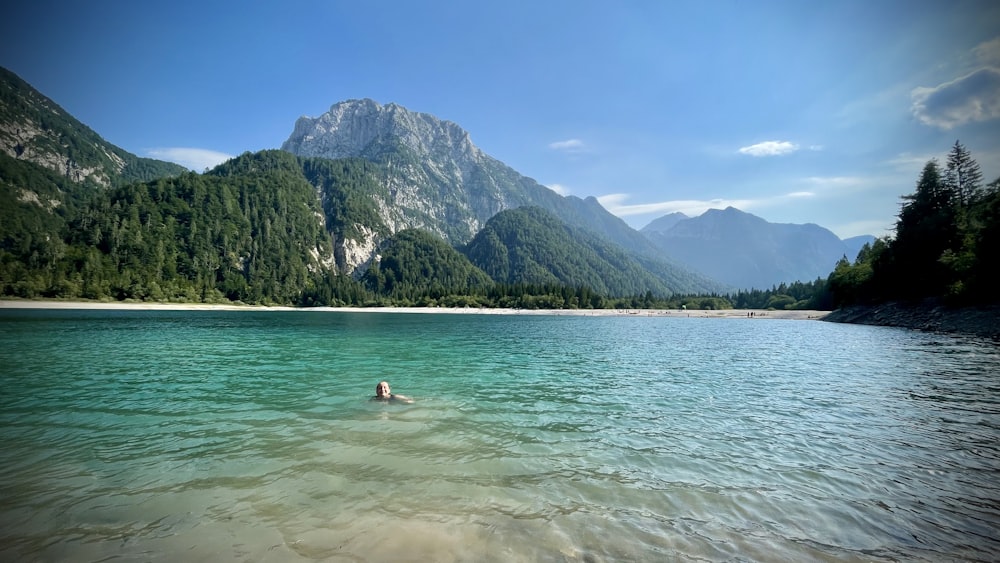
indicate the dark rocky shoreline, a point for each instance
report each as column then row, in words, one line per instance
column 930, row 316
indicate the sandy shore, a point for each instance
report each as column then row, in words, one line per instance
column 118, row 305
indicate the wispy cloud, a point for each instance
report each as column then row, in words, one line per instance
column 910, row 164
column 835, row 188
column 770, row 148
column 569, row 145
column 615, row 203
column 878, row 228
column 834, row 182
column 988, row 52
column 973, row 97
column 559, row 189
column 192, row 158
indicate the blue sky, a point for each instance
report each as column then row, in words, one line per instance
column 798, row 112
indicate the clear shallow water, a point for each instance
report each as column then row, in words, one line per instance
column 215, row 436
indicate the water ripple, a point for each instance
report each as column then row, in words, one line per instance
column 239, row 436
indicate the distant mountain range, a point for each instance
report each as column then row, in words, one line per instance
column 376, row 173
column 745, row 251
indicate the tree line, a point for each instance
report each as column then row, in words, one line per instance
column 247, row 232
column 947, row 236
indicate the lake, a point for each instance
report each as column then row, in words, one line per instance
column 249, row 436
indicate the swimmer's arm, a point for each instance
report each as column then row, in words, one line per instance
column 401, row 398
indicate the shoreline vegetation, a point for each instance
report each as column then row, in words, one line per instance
column 155, row 306
column 926, row 316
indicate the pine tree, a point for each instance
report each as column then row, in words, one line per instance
column 963, row 176
column 927, row 227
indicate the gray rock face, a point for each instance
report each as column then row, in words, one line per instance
column 360, row 127
column 29, row 140
column 436, row 178
column 35, row 129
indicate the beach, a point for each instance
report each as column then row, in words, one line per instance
column 147, row 306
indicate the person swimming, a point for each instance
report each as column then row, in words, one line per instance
column 382, row 393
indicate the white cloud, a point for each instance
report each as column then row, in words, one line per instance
column 569, row 145
column 770, row 148
column 615, row 203
column 909, row 164
column 194, row 159
column 834, row 182
column 973, row 97
column 559, row 189
column 878, row 228
column 988, row 52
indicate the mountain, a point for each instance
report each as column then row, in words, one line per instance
column 436, row 179
column 377, row 214
column 530, row 245
column 745, row 251
column 247, row 232
column 35, row 129
column 665, row 223
column 51, row 166
column 413, row 260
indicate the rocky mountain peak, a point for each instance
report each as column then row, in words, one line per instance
column 363, row 127
column 665, row 223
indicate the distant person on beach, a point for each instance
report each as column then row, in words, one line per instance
column 382, row 393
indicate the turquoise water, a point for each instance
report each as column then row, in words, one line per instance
column 217, row 436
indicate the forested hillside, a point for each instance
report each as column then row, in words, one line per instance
column 439, row 181
column 530, row 245
column 35, row 129
column 416, row 264
column 946, row 244
column 195, row 237
column 266, row 228
column 82, row 219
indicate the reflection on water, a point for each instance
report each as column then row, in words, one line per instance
column 234, row 435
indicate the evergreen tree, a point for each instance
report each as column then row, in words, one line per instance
column 926, row 229
column 947, row 236
column 963, row 176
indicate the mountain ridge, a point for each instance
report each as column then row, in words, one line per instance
column 746, row 251
column 391, row 171
column 34, row 128
column 438, row 180
column 557, row 253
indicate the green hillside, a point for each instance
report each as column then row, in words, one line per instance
column 417, row 264
column 39, row 130
column 81, row 218
column 247, row 237
column 532, row 246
